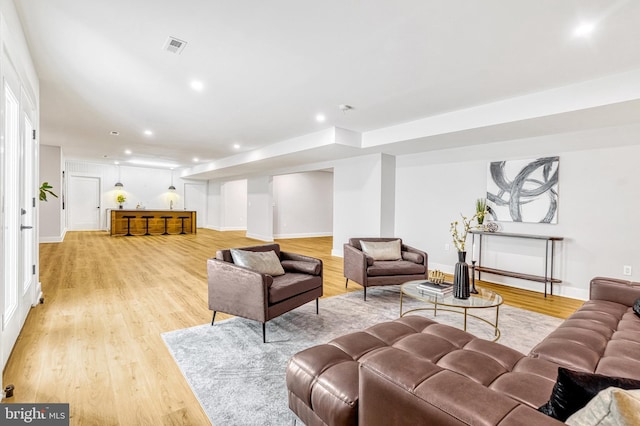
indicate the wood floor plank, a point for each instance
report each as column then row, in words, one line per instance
column 95, row 342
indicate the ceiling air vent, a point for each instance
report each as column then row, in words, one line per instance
column 174, row 45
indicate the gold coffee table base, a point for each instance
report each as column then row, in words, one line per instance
column 483, row 300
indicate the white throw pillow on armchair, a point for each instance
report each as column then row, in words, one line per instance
column 265, row 262
column 382, row 250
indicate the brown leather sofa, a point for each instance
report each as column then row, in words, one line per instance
column 367, row 272
column 240, row 291
column 416, row 371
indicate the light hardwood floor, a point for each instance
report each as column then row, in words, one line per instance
column 95, row 342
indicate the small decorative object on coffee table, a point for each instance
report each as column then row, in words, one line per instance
column 436, row 276
column 461, row 277
column 436, row 289
column 461, row 272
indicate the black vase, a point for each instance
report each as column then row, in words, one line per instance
column 461, row 277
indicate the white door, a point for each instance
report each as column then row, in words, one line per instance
column 17, row 212
column 28, row 242
column 195, row 199
column 84, row 203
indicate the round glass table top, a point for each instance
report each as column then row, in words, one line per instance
column 484, row 299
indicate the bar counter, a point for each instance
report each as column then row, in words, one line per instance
column 138, row 225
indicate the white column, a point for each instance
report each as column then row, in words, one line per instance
column 364, row 198
column 260, row 208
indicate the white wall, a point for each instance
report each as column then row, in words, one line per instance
column 234, row 196
column 387, row 195
column 51, row 219
column 303, row 205
column 214, row 203
column 597, row 215
column 260, row 208
column 359, row 197
column 227, row 205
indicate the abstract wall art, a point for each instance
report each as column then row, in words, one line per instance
column 523, row 190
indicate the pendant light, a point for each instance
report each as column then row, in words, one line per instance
column 119, row 184
column 171, row 187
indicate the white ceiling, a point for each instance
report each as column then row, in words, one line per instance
column 268, row 67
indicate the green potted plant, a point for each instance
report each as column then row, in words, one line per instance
column 120, row 199
column 481, row 210
column 45, row 189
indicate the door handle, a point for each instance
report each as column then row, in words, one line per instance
column 22, row 227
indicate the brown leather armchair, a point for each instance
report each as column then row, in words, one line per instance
column 243, row 292
column 368, row 272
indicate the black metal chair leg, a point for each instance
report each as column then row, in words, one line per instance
column 165, row 224
column 264, row 336
column 346, row 283
column 317, row 306
column 365, row 294
column 214, row 317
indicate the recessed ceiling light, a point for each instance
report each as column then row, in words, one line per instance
column 196, row 159
column 320, row 118
column 236, row 145
column 127, row 151
column 148, row 132
column 197, row 85
column 114, row 133
column 116, row 162
column 584, row 29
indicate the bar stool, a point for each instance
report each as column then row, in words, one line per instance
column 146, row 218
column 128, row 234
column 182, row 218
column 165, row 224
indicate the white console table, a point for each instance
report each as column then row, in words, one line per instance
column 549, row 249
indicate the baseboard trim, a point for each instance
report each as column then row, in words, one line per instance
column 53, row 239
column 266, row 238
column 39, row 296
column 303, row 235
column 226, row 228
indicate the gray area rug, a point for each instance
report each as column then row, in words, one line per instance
column 241, row 381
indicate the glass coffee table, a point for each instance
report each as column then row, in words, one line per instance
column 483, row 300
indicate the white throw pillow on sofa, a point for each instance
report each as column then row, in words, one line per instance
column 611, row 407
column 382, row 250
column 265, row 262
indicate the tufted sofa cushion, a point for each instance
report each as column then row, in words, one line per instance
column 428, row 359
column 416, row 371
column 601, row 337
